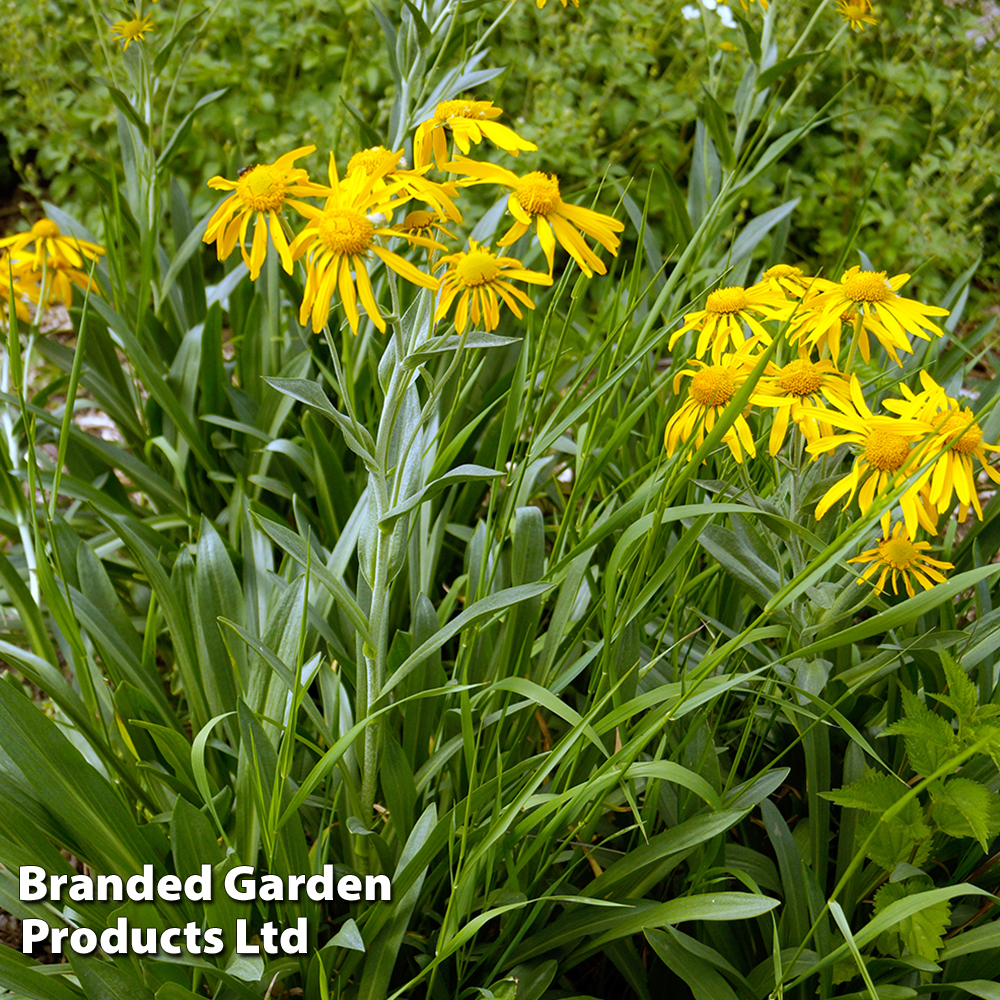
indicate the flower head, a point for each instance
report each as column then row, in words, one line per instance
column 886, row 459
column 955, row 439
column 469, row 122
column 384, row 166
column 262, row 190
column 541, row 3
column 341, row 237
column 870, row 297
column 425, row 224
column 479, row 279
column 48, row 243
column 535, row 200
column 856, row 13
column 710, row 391
column 899, row 555
column 720, row 323
column 127, row 32
column 795, row 391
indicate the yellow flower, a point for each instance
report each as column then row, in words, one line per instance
column 263, row 189
column 789, row 390
column 541, row 3
column 868, row 294
column 535, row 198
column 55, row 284
column 426, row 224
column 955, row 438
column 469, row 122
column 712, row 388
column 14, row 287
column 341, row 237
column 857, row 13
column 396, row 181
column 793, row 281
column 899, row 555
column 887, row 459
column 50, row 244
column 745, row 5
column 720, row 323
column 127, row 32
column 479, row 279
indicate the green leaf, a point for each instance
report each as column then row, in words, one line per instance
column 24, row 977
column 874, row 791
column 306, row 391
column 919, row 933
column 779, row 69
column 965, row 808
column 930, row 740
column 718, row 128
column 463, row 474
column 697, row 974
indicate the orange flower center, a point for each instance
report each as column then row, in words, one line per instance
column 262, row 187
column 345, row 231
column 899, row 552
column 866, row 286
column 416, row 220
column 782, row 271
column 713, row 386
column 800, row 378
column 951, row 425
column 727, row 300
column 45, row 228
column 538, row 193
column 886, row 450
column 477, row 268
column 369, row 161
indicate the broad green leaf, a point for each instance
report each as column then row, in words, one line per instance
column 922, row 932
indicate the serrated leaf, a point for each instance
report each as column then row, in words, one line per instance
column 874, row 791
column 919, row 933
column 906, row 837
column 965, row 808
column 962, row 696
column 930, row 740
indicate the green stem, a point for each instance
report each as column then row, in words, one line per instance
column 381, row 482
column 856, row 336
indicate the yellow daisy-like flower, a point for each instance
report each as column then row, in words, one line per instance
column 262, row 190
column 127, row 32
column 720, row 323
column 535, row 200
column 374, row 162
column 857, row 13
column 955, row 439
column 745, row 5
column 468, row 122
column 425, row 224
column 55, row 284
column 899, row 555
column 870, row 295
column 48, row 243
column 795, row 391
column 710, row 392
column 340, row 238
column 541, row 3
column 886, row 459
column 793, row 281
column 480, row 279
